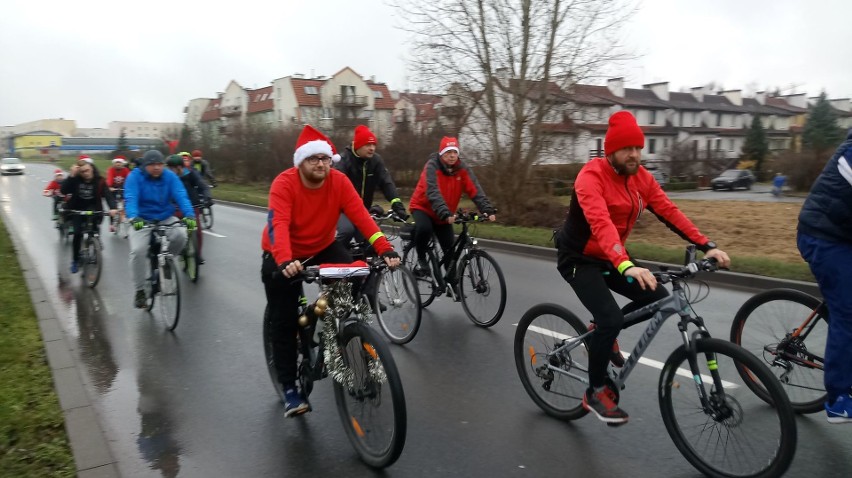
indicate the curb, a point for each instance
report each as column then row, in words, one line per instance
column 89, row 444
column 721, row 278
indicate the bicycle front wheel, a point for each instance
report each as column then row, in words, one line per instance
column 552, row 362
column 767, row 325
column 397, row 305
column 372, row 406
column 91, row 257
column 190, row 256
column 482, row 288
column 169, row 303
column 734, row 434
column 426, row 284
column 207, row 217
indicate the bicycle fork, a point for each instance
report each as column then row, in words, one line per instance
column 713, row 404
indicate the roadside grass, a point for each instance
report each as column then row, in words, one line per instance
column 33, row 442
column 257, row 194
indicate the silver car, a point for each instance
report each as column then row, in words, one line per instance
column 11, row 166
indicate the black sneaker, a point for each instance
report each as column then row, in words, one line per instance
column 140, row 301
column 601, row 402
column 615, row 356
column 421, row 270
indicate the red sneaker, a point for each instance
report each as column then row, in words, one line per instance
column 615, row 358
column 602, row 404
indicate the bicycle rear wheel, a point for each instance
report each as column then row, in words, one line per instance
column 91, row 257
column 482, row 288
column 554, row 374
column 397, row 294
column 736, row 435
column 765, row 326
column 372, row 407
column 169, row 294
column 426, row 284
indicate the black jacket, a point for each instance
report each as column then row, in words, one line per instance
column 367, row 175
column 827, row 211
column 87, row 196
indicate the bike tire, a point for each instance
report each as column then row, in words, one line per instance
column 540, row 331
column 397, row 292
column 373, row 412
column 764, row 437
column 92, row 259
column 427, row 285
column 479, row 278
column 169, row 309
column 767, row 321
column 207, row 218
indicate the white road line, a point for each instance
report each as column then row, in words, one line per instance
column 213, row 234
column 645, row 361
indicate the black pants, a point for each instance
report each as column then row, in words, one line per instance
column 424, row 228
column 80, row 224
column 594, row 285
column 282, row 298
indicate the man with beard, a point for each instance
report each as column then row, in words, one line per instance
column 609, row 195
column 305, row 202
column 86, row 190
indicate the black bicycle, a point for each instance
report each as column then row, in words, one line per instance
column 91, row 257
column 788, row 330
column 715, row 421
column 467, row 273
column 162, row 282
column 335, row 339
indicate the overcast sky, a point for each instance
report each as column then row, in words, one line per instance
column 96, row 61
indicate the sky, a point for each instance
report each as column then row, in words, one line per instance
column 96, row 61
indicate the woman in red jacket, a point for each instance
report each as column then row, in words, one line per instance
column 436, row 198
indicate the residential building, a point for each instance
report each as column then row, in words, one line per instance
column 144, row 129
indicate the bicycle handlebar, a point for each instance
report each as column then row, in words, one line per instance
column 86, row 213
column 693, row 268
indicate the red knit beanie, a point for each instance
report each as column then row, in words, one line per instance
column 623, row 132
column 448, row 144
column 363, row 136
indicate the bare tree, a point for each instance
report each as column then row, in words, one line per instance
column 515, row 60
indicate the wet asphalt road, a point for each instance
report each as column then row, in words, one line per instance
column 198, row 402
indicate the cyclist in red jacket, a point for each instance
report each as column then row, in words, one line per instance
column 609, row 196
column 436, row 198
column 305, row 203
column 116, row 175
column 53, row 190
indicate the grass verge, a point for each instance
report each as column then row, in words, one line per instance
column 33, row 442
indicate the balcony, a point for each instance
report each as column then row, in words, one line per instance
column 357, row 101
column 231, row 110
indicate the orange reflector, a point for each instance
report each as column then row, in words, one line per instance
column 357, row 427
column 532, row 355
column 370, row 350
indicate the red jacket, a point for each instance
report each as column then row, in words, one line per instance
column 301, row 222
column 439, row 190
column 53, row 188
column 605, row 206
column 115, row 177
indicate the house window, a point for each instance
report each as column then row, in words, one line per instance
column 653, row 115
column 599, row 147
column 652, row 146
column 378, row 94
column 327, row 113
column 665, row 143
column 718, row 119
column 730, row 144
column 311, row 90
column 718, row 144
column 733, row 121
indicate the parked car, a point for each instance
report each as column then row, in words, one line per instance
column 732, row 179
column 661, row 177
column 11, row 166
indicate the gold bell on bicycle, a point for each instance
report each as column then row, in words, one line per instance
column 320, row 306
column 304, row 321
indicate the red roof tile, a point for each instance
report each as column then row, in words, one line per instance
column 386, row 101
column 302, row 97
column 212, row 112
column 260, row 100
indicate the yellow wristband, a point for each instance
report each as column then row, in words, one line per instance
column 624, row 266
column 374, row 237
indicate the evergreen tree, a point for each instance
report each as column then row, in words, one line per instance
column 821, row 132
column 122, row 141
column 756, row 146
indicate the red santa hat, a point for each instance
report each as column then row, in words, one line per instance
column 85, row 158
column 448, row 144
column 313, row 142
column 58, row 171
column 363, row 136
column 623, row 132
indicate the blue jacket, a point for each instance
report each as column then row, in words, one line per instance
column 154, row 199
column 827, row 211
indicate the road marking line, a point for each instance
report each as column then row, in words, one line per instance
column 645, row 361
column 213, row 234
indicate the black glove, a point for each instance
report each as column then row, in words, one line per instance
column 377, row 210
column 399, row 210
column 391, row 254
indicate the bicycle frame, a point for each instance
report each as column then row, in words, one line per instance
column 463, row 242
column 674, row 304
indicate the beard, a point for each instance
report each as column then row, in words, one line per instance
column 626, row 169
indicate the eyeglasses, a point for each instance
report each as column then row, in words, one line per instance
column 313, row 160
